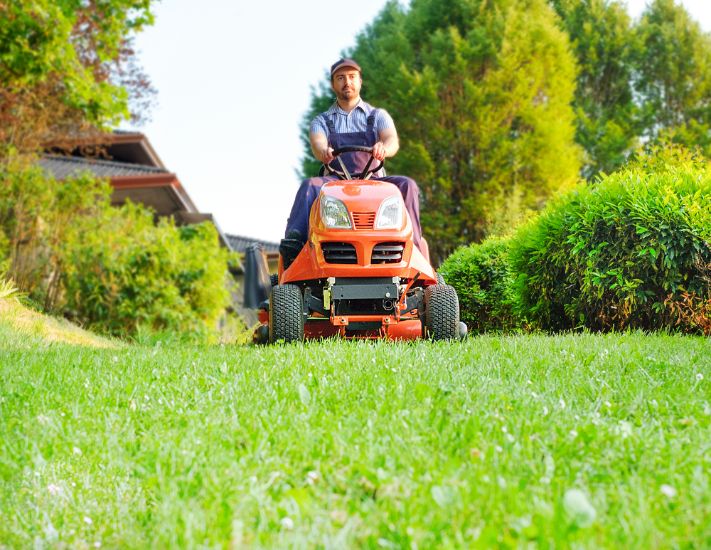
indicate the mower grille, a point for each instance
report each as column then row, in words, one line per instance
column 339, row 253
column 387, row 253
column 364, row 220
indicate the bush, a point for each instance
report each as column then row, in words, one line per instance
column 631, row 251
column 128, row 275
column 36, row 213
column 112, row 269
column 482, row 277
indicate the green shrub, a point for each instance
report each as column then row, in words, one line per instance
column 631, row 251
column 127, row 274
column 36, row 213
column 482, row 277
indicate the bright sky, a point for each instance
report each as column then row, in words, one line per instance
column 234, row 80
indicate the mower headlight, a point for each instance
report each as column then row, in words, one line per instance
column 389, row 214
column 334, row 213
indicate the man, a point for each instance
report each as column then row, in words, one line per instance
column 349, row 121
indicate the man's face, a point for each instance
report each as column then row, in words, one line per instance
column 346, row 83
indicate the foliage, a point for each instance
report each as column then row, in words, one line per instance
column 112, row 268
column 7, row 287
column 482, row 277
column 674, row 84
column 633, row 250
column 126, row 272
column 357, row 444
column 480, row 92
column 65, row 66
column 604, row 42
column 645, row 81
column 36, row 214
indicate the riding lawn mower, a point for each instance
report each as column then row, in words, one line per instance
column 359, row 274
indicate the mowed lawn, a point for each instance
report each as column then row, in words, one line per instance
column 575, row 440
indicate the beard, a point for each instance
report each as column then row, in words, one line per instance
column 346, row 94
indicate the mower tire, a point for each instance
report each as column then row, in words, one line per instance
column 286, row 314
column 441, row 312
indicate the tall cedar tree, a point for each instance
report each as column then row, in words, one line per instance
column 480, row 91
column 67, row 66
column 674, row 67
column 603, row 39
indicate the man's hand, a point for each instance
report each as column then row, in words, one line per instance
column 326, row 155
column 379, row 151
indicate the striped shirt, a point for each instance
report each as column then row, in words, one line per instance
column 355, row 121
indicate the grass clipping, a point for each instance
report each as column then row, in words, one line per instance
column 24, row 322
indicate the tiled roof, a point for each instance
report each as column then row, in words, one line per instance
column 240, row 243
column 62, row 167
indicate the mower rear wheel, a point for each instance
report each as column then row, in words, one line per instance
column 286, row 314
column 441, row 312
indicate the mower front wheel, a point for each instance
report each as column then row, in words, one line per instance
column 441, row 312
column 286, row 314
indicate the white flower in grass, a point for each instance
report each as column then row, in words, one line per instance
column 312, row 477
column 668, row 491
column 608, row 404
column 562, row 404
column 76, row 451
column 624, row 429
column 578, row 508
column 54, row 490
column 573, row 434
column 287, row 523
column 499, row 449
column 97, row 544
column 545, row 411
column 87, row 520
column 699, row 376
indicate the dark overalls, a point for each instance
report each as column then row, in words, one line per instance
column 355, row 163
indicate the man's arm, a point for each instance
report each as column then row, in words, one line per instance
column 388, row 145
column 320, row 147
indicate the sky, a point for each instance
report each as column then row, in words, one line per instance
column 234, row 79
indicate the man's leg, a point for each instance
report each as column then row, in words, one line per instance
column 306, row 195
column 411, row 195
column 297, row 226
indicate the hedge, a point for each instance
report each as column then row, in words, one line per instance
column 631, row 251
column 482, row 277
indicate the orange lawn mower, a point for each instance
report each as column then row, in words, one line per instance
column 359, row 275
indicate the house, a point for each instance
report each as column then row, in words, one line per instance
column 135, row 172
column 270, row 249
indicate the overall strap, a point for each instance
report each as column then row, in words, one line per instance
column 329, row 124
column 371, row 120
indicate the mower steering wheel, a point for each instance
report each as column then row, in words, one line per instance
column 367, row 171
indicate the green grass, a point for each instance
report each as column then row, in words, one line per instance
column 587, row 441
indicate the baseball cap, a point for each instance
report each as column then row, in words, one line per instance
column 345, row 62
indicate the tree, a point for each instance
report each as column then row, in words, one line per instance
column 603, row 40
column 480, row 91
column 65, row 66
column 674, row 82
